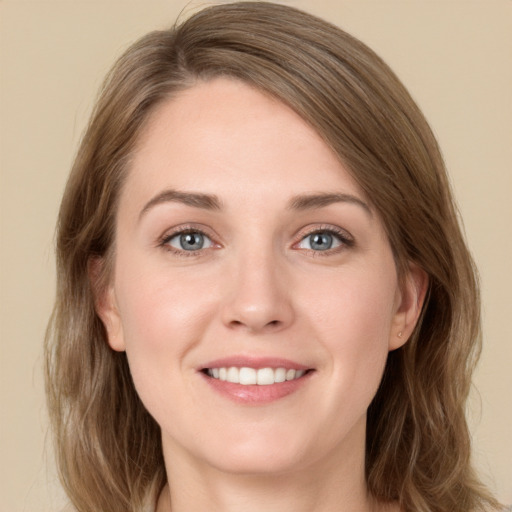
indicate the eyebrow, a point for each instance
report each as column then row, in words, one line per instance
column 196, row 200
column 321, row 200
column 212, row 202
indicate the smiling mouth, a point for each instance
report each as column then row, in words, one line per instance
column 251, row 376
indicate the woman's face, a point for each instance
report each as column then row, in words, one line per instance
column 243, row 242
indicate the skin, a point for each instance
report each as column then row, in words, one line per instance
column 257, row 288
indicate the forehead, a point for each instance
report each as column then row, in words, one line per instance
column 224, row 132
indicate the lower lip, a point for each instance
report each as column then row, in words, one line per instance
column 254, row 394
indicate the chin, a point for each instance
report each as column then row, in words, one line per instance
column 258, row 454
column 263, row 464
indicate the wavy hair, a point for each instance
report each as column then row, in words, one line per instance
column 108, row 447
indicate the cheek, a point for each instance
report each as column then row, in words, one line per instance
column 157, row 307
column 163, row 320
column 355, row 308
column 357, row 320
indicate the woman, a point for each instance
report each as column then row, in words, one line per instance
column 264, row 297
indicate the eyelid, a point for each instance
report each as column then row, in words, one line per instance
column 345, row 238
column 169, row 234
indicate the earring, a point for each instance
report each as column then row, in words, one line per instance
column 400, row 334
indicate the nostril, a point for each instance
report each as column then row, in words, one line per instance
column 255, row 326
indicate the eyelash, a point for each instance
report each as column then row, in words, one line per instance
column 345, row 239
column 164, row 242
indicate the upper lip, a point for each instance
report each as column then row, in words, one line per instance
column 255, row 362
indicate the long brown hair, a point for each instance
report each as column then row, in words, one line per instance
column 418, row 447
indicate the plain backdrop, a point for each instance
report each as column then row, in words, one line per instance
column 454, row 56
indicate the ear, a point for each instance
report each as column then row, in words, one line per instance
column 105, row 303
column 409, row 303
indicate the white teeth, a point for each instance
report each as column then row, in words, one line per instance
column 266, row 376
column 280, row 375
column 248, row 376
column 251, row 376
column 232, row 375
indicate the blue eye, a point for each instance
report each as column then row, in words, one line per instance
column 190, row 241
column 322, row 241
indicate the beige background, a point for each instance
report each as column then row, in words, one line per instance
column 455, row 57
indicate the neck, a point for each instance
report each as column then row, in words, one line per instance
column 271, row 494
column 326, row 485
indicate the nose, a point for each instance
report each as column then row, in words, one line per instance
column 258, row 296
